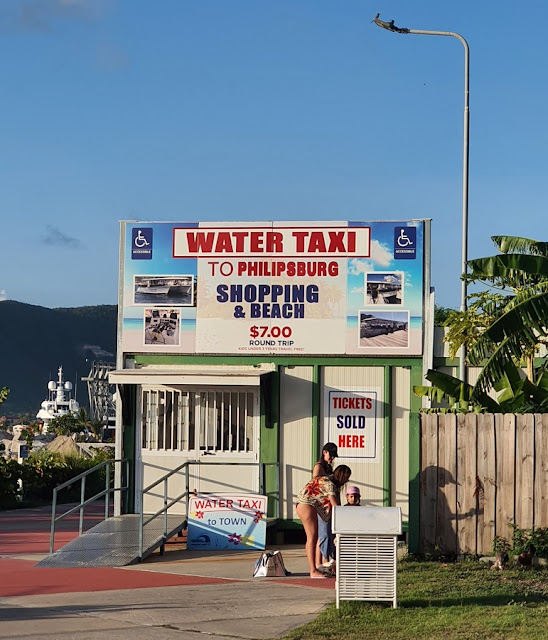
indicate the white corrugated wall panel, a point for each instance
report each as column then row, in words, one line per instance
column 367, row 475
column 401, row 395
column 295, row 435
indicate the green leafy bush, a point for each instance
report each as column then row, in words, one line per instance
column 42, row 471
column 524, row 540
column 10, row 473
column 530, row 539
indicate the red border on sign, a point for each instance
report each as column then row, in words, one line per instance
column 268, row 256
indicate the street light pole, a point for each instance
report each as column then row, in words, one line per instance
column 390, row 26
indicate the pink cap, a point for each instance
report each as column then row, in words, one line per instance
column 352, row 490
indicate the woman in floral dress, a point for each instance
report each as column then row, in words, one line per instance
column 317, row 499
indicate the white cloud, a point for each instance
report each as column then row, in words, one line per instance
column 3, row 294
column 357, row 266
column 356, row 290
column 380, row 257
column 380, row 254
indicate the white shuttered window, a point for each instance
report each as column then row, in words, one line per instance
column 204, row 420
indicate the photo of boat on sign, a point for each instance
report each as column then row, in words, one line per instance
column 388, row 329
column 384, row 288
column 164, row 290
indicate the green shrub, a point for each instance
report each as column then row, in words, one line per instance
column 524, row 540
column 42, row 471
column 10, row 473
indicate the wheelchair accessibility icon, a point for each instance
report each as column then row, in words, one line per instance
column 141, row 243
column 405, row 243
column 403, row 240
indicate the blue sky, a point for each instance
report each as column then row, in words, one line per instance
column 260, row 109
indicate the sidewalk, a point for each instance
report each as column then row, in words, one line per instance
column 183, row 594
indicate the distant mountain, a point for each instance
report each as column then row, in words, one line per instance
column 36, row 341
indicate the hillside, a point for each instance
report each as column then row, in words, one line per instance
column 35, row 341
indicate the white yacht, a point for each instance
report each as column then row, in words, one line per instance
column 58, row 402
column 182, row 285
column 153, row 285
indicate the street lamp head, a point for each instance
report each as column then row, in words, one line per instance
column 389, row 26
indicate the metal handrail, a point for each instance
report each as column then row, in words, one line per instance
column 187, row 493
column 83, row 502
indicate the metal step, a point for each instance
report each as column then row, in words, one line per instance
column 114, row 542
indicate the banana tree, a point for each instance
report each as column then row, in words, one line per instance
column 458, row 395
column 513, row 324
column 515, row 393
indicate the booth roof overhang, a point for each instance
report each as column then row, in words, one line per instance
column 237, row 375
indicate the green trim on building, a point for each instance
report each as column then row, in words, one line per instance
column 316, row 412
column 129, row 445
column 324, row 361
column 387, row 439
column 269, row 448
column 270, row 417
column 414, row 459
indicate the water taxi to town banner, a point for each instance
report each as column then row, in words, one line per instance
column 273, row 287
column 227, row 522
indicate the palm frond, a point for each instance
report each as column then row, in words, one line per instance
column 497, row 357
column 523, row 321
column 525, row 397
column 511, row 270
column 516, row 244
column 455, row 392
column 493, row 369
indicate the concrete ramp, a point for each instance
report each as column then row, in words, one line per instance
column 114, row 542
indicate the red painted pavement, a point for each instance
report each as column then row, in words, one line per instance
column 22, row 578
column 24, row 531
column 27, row 531
column 326, row 583
column 17, row 543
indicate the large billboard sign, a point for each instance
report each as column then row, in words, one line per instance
column 273, row 288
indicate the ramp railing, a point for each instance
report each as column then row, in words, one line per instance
column 107, row 492
column 184, row 468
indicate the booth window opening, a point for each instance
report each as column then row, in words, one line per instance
column 191, row 421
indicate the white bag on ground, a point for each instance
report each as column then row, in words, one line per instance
column 269, row 565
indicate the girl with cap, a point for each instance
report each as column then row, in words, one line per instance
column 353, row 497
column 324, row 466
column 316, row 499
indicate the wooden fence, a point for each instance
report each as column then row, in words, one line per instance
column 478, row 474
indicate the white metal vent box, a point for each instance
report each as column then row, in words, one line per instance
column 367, row 539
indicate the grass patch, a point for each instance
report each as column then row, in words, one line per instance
column 448, row 601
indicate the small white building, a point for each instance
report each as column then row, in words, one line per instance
column 244, row 375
